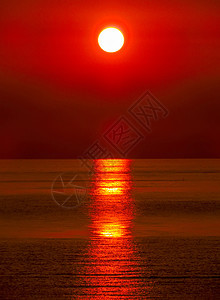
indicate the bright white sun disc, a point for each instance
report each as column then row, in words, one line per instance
column 111, row 39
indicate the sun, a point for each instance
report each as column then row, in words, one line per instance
column 111, row 39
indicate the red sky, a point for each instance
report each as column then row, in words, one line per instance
column 59, row 91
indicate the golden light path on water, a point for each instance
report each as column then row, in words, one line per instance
column 112, row 207
column 113, row 270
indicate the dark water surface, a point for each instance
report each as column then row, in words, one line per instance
column 130, row 229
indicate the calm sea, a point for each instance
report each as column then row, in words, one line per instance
column 109, row 229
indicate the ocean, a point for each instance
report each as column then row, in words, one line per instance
column 109, row 229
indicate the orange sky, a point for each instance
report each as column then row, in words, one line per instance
column 59, row 91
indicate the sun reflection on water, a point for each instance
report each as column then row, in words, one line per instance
column 112, row 206
column 113, row 268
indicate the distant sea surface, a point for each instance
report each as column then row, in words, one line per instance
column 109, row 229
